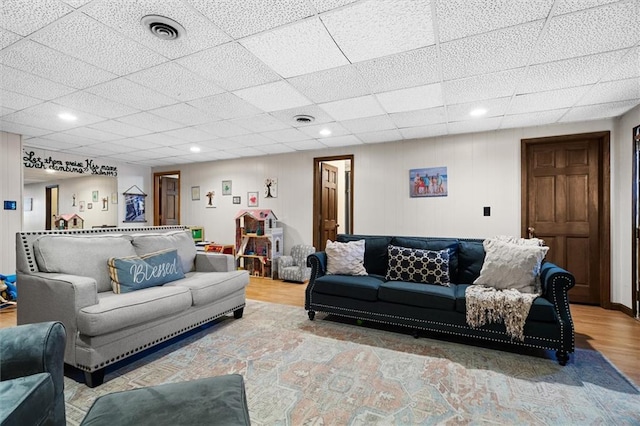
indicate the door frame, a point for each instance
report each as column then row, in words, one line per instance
column 48, row 194
column 604, row 197
column 156, row 194
column 317, row 193
column 635, row 230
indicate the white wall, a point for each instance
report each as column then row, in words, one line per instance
column 82, row 187
column 10, row 189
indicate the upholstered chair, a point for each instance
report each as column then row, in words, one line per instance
column 32, row 374
column 294, row 267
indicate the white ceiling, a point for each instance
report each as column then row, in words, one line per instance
column 371, row 71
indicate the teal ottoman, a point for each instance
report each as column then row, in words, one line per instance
column 212, row 401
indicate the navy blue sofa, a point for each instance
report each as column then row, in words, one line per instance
column 436, row 308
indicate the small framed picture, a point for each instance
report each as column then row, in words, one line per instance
column 252, row 199
column 89, row 206
column 105, row 204
column 236, row 199
column 114, row 198
column 195, row 193
column 81, row 204
column 226, row 187
column 94, row 196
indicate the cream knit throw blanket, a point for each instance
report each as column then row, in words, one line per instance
column 490, row 305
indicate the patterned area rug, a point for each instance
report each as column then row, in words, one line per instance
column 326, row 372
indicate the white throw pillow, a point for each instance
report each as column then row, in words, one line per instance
column 520, row 241
column 345, row 258
column 511, row 265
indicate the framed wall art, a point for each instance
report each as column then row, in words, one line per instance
column 428, row 182
column 195, row 193
column 236, row 199
column 226, row 187
column 252, row 199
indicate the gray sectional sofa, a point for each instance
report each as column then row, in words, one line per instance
column 436, row 308
column 63, row 276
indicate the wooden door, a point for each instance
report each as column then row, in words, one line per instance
column 329, row 204
column 169, row 201
column 51, row 206
column 563, row 199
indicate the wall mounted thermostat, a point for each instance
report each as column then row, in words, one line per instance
column 10, row 205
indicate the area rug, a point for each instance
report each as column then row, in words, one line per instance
column 328, row 372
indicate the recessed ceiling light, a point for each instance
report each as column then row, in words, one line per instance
column 162, row 27
column 325, row 132
column 67, row 117
column 478, row 112
column 194, row 149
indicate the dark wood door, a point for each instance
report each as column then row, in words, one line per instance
column 562, row 191
column 169, row 201
column 329, row 204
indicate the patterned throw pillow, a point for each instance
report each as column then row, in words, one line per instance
column 137, row 272
column 345, row 258
column 418, row 266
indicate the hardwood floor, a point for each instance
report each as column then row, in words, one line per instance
column 612, row 333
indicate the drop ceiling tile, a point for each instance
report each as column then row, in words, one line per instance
column 568, row 6
column 277, row 148
column 221, row 64
column 540, row 118
column 460, row 112
column 40, row 60
column 72, row 139
column 223, row 155
column 185, row 149
column 260, row 123
column 48, row 144
column 273, row 96
column 21, row 129
column 185, row 114
column 6, row 110
column 307, row 145
column 473, row 126
column 346, row 140
column 76, row 3
column 490, row 52
column 150, row 122
column 120, row 128
column 140, row 144
column 324, row 5
column 487, row 86
column 109, row 149
column 380, row 136
column 319, row 115
column 45, row 116
column 17, row 101
column 424, row 131
column 97, row 105
column 222, row 129
column 225, row 105
column 127, row 157
column 347, row 109
column 330, row 85
column 375, row 28
column 253, row 139
column 628, row 67
column 220, row 144
column 98, row 45
column 407, row 69
column 301, row 48
column 369, row 124
column 567, row 73
column 594, row 112
column 463, row 18
column 175, row 81
column 165, row 151
column 591, row 31
column 129, row 93
column 541, row 101
column 411, row 99
column 242, row 18
column 612, row 91
column 31, row 85
column 418, row 118
column 163, row 139
column 91, row 150
column 124, row 16
column 24, row 17
column 7, row 38
column 286, row 135
column 314, row 130
column 94, row 134
column 189, row 134
column 246, row 151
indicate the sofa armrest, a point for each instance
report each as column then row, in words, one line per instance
column 318, row 264
column 34, row 348
column 556, row 283
column 215, row 262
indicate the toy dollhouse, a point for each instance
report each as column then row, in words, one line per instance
column 69, row 221
column 259, row 242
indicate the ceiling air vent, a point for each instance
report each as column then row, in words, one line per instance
column 303, row 119
column 162, row 27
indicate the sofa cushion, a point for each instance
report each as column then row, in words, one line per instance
column 470, row 259
column 83, row 255
column 422, row 295
column 117, row 311
column 375, row 251
column 133, row 273
column 360, row 287
column 345, row 258
column 207, row 287
column 434, row 244
column 181, row 240
column 27, row 400
column 541, row 310
column 418, row 266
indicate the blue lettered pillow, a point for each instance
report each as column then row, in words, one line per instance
column 418, row 265
column 137, row 272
